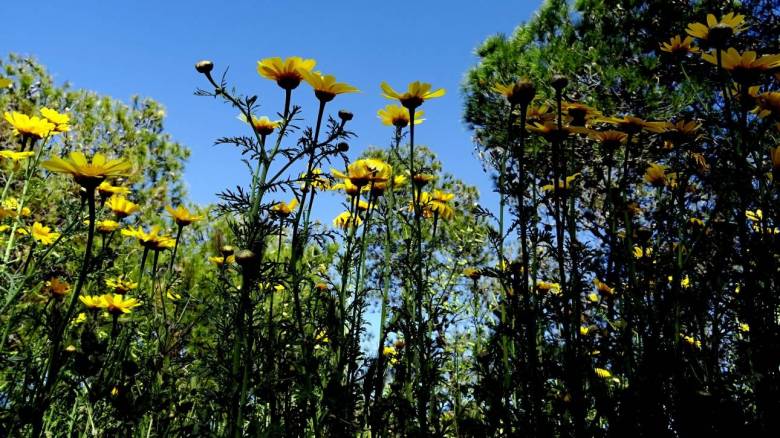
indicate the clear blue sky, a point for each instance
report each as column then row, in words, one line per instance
column 148, row 48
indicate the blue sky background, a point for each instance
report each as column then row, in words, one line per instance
column 149, row 48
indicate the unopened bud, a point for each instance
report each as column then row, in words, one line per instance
column 227, row 250
column 204, row 66
column 345, row 115
column 559, row 82
column 342, row 147
column 245, row 257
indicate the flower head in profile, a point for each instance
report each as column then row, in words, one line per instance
column 57, row 288
column 679, row 46
column 288, row 73
column 59, row 120
column 222, row 260
column 348, row 187
column 92, row 302
column 10, row 208
column 262, row 125
column 602, row 287
column 680, row 132
column 520, row 92
column 106, row 189
column 563, row 185
column 716, row 33
column 416, row 93
column 632, row 125
column 347, row 220
column 88, row 174
column 325, row 86
column 151, row 239
column 15, row 156
column 182, row 216
column 610, row 139
column 315, row 179
column 29, row 127
column 768, row 104
column 603, row 373
column 106, row 226
column 117, row 304
column 437, row 203
column 398, row 116
column 121, row 206
column 472, row 273
column 747, row 67
column 550, row 131
column 121, row 285
column 546, row 286
column 364, row 171
column 580, row 114
column 656, row 175
column 43, row 234
column 281, row 209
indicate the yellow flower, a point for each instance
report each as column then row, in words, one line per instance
column 106, row 189
column 611, row 139
column 696, row 221
column 88, row 175
column 774, row 155
column 690, row 340
column 173, row 296
column 5, row 82
column 262, row 125
column 640, row 252
column 584, row 330
column 416, row 93
column 60, row 121
column 152, row 239
column 116, row 304
column 394, row 115
column 438, row 202
column 593, row 297
column 42, row 234
column 520, row 92
column 315, row 179
column 93, row 302
column 57, row 288
column 656, row 175
column 602, row 287
column 364, row 171
column 325, row 86
column 472, row 273
column 580, row 114
column 633, row 125
column 755, row 216
column 26, row 126
column 549, row 130
column 347, row 219
column 121, row 206
column 182, row 216
column 746, row 67
column 348, row 187
column 604, row 374
column 562, row 185
column 715, row 32
column 677, row 133
column 80, row 318
column 768, row 104
column 321, row 337
column 678, row 46
column 105, row 226
column 121, row 285
column 544, row 286
column 288, row 73
column 10, row 208
column 15, row 156
column 685, row 283
column 220, row 260
column 744, row 328
column 281, row 209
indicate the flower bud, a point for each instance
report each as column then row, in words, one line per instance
column 245, row 257
column 227, row 250
column 342, row 147
column 204, row 66
column 345, row 115
column 559, row 82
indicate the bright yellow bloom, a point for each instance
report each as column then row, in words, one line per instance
column 520, row 92
column 325, row 86
column 580, row 114
column 656, row 175
column 93, row 302
column 398, row 116
column 744, row 328
column 364, row 171
column 288, row 73
column 746, row 67
column 768, row 104
column 121, row 206
column 347, row 219
column 121, row 285
column 57, row 288
column 42, row 234
column 15, row 156
column 544, row 286
column 182, row 216
column 152, row 239
column 678, row 46
column 640, row 252
column 690, row 340
column 262, row 125
column 562, row 184
column 105, row 226
column 593, row 297
column 281, row 209
column 472, row 273
column 416, row 93
column 10, row 208
column 5, row 82
column 348, row 187
column 755, row 216
column 106, row 189
column 88, row 175
column 437, row 203
column 602, row 287
column 696, row 221
column 80, row 318
column 116, row 304
column 601, row 372
column 715, row 32
column 321, row 337
column 315, row 179
column 220, row 260
column 60, row 121
column 26, row 126
column 584, row 330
